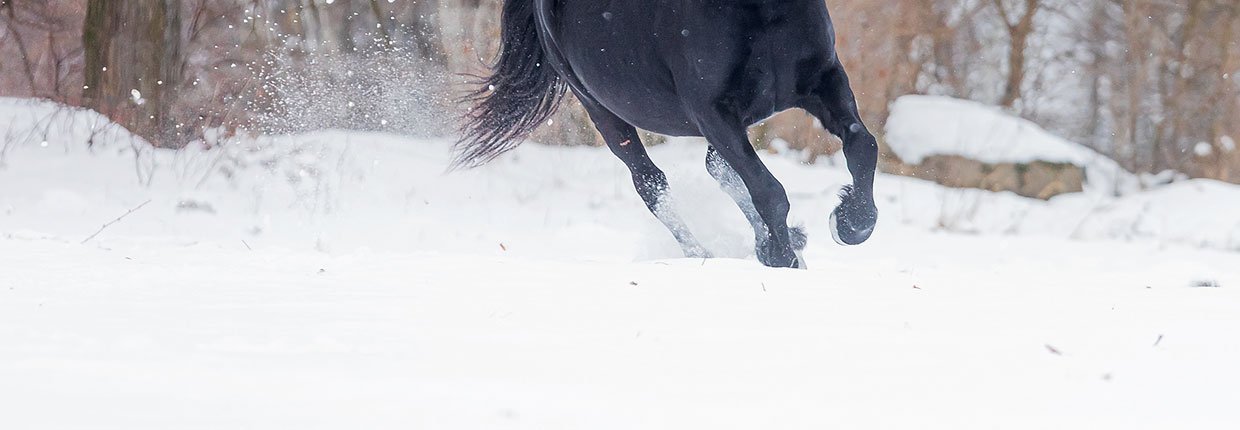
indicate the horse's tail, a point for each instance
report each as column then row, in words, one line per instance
column 522, row 91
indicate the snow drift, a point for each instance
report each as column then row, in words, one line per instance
column 65, row 171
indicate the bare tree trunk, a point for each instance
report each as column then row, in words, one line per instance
column 1019, row 30
column 57, row 63
column 314, row 25
column 27, row 62
column 1230, row 100
column 425, row 34
column 345, row 33
column 170, row 72
column 1096, row 40
column 382, row 24
column 130, row 63
column 97, row 33
column 1133, row 71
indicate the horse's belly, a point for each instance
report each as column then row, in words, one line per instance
column 619, row 64
column 639, row 95
column 652, row 110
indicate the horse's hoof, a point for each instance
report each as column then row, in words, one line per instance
column 774, row 258
column 846, row 235
column 835, row 229
column 852, row 222
column 796, row 241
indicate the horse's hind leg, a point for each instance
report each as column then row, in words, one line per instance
column 853, row 220
column 651, row 183
column 766, row 195
column 731, row 184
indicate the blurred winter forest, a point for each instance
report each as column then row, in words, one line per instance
column 1154, row 84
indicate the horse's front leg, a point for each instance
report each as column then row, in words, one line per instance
column 731, row 184
column 726, row 135
column 852, row 222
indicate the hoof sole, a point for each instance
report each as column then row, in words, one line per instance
column 834, row 222
column 835, row 229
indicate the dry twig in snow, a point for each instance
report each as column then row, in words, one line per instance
column 118, row 219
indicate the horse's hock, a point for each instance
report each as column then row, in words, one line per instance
column 1036, row 179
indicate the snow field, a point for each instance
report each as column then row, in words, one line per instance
column 342, row 280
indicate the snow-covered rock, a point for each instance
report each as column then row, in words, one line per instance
column 920, row 127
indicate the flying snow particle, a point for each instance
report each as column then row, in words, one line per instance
column 1203, row 149
column 137, row 96
column 1229, row 144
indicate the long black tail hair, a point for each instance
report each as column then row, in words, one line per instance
column 519, row 95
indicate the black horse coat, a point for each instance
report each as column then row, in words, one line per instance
column 685, row 68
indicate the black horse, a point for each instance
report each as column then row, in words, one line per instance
column 684, row 68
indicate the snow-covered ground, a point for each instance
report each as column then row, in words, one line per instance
column 344, row 280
